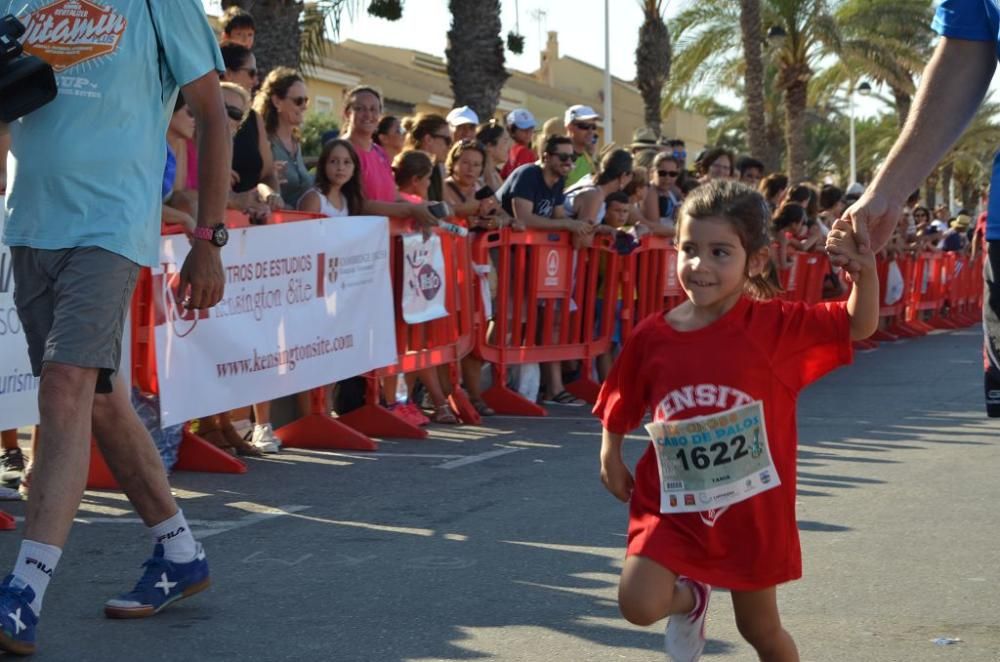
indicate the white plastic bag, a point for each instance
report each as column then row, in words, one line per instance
column 893, row 284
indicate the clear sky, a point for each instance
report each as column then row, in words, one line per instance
column 580, row 24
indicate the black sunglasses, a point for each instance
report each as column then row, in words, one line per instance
column 586, row 127
column 565, row 158
column 299, row 101
column 234, row 113
column 667, row 173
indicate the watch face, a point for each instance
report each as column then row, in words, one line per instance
column 220, row 236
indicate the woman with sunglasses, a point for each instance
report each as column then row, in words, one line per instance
column 430, row 133
column 664, row 197
column 254, row 179
column 282, row 102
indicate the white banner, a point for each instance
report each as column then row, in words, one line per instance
column 18, row 387
column 423, row 279
column 306, row 304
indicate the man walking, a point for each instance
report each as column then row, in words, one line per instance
column 82, row 217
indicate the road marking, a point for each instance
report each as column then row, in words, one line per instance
column 258, row 557
column 472, row 459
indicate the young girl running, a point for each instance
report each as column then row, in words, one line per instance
column 713, row 499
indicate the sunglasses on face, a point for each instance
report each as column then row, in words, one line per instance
column 299, row 101
column 562, row 156
column 667, row 173
column 235, row 114
column 586, row 127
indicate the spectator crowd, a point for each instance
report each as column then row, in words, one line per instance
column 507, row 171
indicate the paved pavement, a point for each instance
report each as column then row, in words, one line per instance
column 499, row 543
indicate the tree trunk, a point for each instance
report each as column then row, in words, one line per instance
column 652, row 64
column 753, row 79
column 795, row 130
column 476, row 55
column 903, row 101
column 968, row 193
column 946, row 174
column 774, row 152
column 278, row 37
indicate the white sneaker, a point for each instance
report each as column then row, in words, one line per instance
column 263, row 439
column 685, row 636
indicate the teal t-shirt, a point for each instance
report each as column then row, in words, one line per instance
column 86, row 169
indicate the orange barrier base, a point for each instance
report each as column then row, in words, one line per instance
column 905, row 330
column 585, row 389
column 323, row 432
column 883, row 336
column 196, row 454
column 6, row 522
column 865, row 344
column 377, row 421
column 506, row 401
column 943, row 323
column 460, row 403
column 99, row 476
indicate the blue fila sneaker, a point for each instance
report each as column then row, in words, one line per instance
column 162, row 584
column 17, row 620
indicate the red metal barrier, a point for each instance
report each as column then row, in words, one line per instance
column 545, row 310
column 6, row 522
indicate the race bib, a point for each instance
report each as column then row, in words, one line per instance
column 711, row 462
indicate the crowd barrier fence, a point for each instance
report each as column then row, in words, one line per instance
column 549, row 305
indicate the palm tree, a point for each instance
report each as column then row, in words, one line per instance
column 705, row 54
column 293, row 32
column 652, row 61
column 475, row 55
column 753, row 80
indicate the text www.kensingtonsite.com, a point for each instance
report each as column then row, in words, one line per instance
column 261, row 361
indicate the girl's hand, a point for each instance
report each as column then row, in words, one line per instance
column 615, row 475
column 844, row 248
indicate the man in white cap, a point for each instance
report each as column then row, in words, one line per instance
column 521, row 126
column 463, row 122
column 581, row 127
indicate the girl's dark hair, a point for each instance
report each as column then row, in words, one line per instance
column 804, row 193
column 352, row 93
column 384, row 123
column 490, row 132
column 616, row 196
column 787, row 216
column 352, row 187
column 459, row 148
column 773, row 184
column 422, row 125
column 409, row 164
column 235, row 56
column 713, row 155
column 923, row 209
column 747, row 212
column 236, row 18
column 615, row 164
column 829, row 195
column 277, row 83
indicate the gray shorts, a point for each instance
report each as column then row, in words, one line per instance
column 72, row 304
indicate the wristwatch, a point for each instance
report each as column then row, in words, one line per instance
column 217, row 234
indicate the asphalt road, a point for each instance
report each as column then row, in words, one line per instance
column 499, row 543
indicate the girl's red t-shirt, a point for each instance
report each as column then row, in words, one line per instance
column 765, row 351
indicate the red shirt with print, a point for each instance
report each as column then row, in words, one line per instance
column 518, row 155
column 767, row 351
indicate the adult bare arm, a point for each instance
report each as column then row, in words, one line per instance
column 952, row 87
column 202, row 270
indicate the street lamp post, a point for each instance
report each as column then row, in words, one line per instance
column 863, row 90
column 608, row 120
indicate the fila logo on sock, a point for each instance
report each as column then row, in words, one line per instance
column 38, row 564
column 171, row 535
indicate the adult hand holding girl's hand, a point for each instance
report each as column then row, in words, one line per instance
column 845, row 248
column 873, row 219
